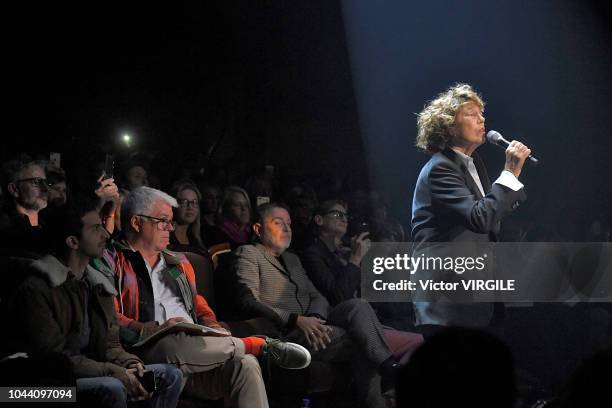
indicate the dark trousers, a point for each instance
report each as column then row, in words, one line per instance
column 357, row 337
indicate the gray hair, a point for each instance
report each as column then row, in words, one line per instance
column 13, row 169
column 265, row 209
column 141, row 200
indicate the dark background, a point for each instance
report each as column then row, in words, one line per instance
column 317, row 87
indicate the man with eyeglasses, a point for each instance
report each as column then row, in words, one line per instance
column 25, row 192
column 157, row 290
column 27, row 188
column 64, row 306
column 335, row 271
column 274, row 285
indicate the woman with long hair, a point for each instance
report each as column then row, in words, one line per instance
column 234, row 224
column 186, row 237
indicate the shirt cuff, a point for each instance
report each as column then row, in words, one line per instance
column 507, row 179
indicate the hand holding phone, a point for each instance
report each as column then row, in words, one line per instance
column 148, row 381
column 109, row 167
column 363, row 227
column 360, row 244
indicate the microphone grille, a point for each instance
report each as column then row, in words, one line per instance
column 494, row 137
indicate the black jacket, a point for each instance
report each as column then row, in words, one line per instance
column 448, row 207
column 335, row 280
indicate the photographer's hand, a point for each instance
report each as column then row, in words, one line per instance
column 359, row 247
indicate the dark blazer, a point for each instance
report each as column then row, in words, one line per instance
column 335, row 280
column 448, row 207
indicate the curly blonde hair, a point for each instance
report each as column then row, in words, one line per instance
column 435, row 120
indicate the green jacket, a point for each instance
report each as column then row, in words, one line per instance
column 49, row 311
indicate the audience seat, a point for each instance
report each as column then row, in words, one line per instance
column 217, row 250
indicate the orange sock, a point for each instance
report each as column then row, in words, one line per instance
column 252, row 345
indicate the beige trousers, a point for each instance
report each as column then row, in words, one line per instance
column 214, row 367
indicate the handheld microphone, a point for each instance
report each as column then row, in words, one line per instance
column 498, row 140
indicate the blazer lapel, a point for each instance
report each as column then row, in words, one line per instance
column 272, row 259
column 482, row 172
column 455, row 158
column 486, row 186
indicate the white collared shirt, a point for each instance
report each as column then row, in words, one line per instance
column 167, row 303
column 506, row 178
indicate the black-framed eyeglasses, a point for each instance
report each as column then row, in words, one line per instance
column 162, row 224
column 35, row 181
column 338, row 214
column 183, row 202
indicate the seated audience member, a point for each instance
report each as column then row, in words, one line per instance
column 275, row 285
column 457, row 367
column 25, row 194
column 336, row 271
column 157, row 290
column 134, row 175
column 209, row 208
column 25, row 190
column 58, row 189
column 66, row 307
column 383, row 227
column 302, row 211
column 234, row 226
column 186, row 236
